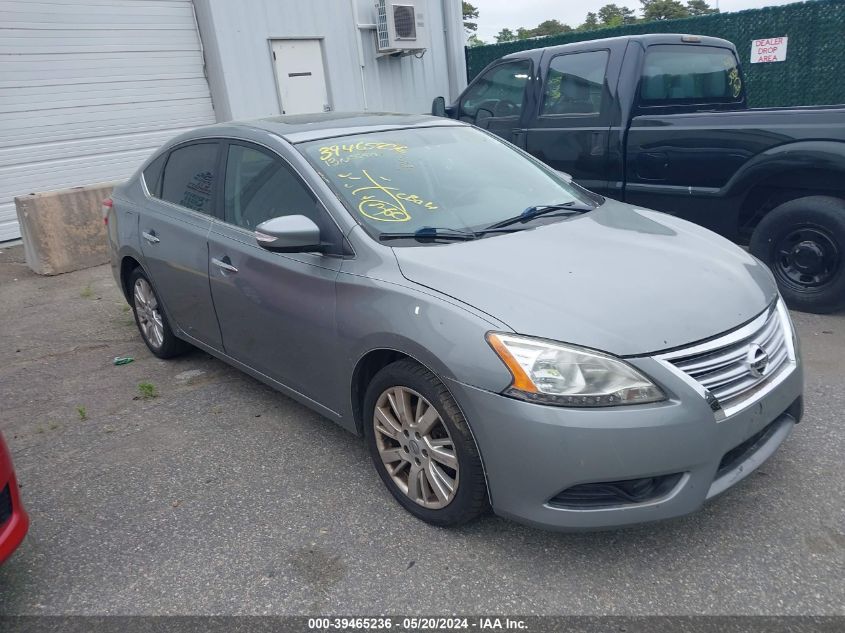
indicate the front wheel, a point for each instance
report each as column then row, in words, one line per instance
column 422, row 447
column 803, row 242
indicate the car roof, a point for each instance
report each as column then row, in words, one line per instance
column 646, row 40
column 310, row 127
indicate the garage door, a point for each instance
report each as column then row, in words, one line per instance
column 88, row 88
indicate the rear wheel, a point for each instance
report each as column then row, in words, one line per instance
column 151, row 320
column 803, row 242
column 422, row 447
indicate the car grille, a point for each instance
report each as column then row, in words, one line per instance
column 5, row 504
column 733, row 368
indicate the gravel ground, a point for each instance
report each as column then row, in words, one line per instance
column 220, row 496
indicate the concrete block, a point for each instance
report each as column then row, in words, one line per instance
column 63, row 230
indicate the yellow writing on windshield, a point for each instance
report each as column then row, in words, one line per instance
column 339, row 154
column 381, row 202
column 735, row 81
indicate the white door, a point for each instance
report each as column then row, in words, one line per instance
column 300, row 76
column 88, row 89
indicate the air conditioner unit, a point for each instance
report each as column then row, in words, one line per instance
column 401, row 27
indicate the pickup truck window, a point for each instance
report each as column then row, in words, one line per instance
column 675, row 74
column 575, row 83
column 500, row 90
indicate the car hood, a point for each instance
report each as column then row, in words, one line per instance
column 621, row 279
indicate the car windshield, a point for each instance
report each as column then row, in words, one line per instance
column 448, row 178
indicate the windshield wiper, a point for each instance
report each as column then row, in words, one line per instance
column 541, row 209
column 430, row 233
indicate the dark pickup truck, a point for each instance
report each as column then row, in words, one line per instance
column 662, row 121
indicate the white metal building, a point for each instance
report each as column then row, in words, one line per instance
column 88, row 88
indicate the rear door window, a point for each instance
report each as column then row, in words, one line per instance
column 676, row 74
column 190, row 177
column 575, row 83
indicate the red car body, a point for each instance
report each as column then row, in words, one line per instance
column 14, row 522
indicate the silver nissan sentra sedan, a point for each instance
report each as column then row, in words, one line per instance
column 500, row 336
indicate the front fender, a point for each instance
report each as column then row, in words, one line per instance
column 439, row 333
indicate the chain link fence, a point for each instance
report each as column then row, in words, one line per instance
column 811, row 75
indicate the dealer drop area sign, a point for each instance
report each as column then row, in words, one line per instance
column 771, row 49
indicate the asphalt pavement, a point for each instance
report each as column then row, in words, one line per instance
column 221, row 496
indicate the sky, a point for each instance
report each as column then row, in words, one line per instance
column 494, row 15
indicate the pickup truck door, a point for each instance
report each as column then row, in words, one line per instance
column 501, row 91
column 688, row 137
column 571, row 131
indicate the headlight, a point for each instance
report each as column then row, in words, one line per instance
column 564, row 375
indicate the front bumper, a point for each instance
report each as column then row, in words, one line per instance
column 14, row 521
column 531, row 452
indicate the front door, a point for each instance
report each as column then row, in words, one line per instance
column 276, row 310
column 174, row 229
column 300, row 76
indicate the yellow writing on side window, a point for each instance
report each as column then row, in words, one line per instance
column 331, row 153
column 383, row 203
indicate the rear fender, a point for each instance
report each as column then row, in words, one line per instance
column 801, row 156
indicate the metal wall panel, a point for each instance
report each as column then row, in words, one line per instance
column 89, row 88
column 236, row 37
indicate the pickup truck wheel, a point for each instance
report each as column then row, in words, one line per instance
column 803, row 242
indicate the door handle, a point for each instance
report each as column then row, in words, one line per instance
column 150, row 237
column 224, row 265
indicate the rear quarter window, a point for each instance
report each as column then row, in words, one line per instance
column 152, row 175
column 677, row 74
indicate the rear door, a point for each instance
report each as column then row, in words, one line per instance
column 680, row 153
column 174, row 226
column 276, row 310
column 571, row 131
column 502, row 92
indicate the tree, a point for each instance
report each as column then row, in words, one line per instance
column 474, row 40
column 505, row 35
column 700, row 7
column 663, row 10
column 470, row 13
column 550, row 27
column 591, row 23
column 614, row 15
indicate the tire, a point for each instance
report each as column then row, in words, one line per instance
column 803, row 242
column 150, row 318
column 447, row 438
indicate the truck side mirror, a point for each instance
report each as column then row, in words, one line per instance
column 438, row 107
column 482, row 118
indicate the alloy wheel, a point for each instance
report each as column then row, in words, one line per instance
column 149, row 315
column 416, row 448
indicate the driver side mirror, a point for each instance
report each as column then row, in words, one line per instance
column 289, row 234
column 482, row 116
column 438, row 107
